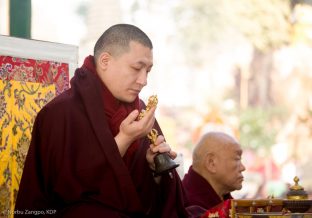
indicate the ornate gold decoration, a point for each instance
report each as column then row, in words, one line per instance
column 296, row 192
column 214, row 215
column 152, row 102
column 153, row 136
column 296, row 186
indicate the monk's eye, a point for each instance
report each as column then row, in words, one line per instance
column 136, row 68
column 238, row 158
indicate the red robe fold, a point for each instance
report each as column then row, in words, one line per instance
column 201, row 196
column 74, row 168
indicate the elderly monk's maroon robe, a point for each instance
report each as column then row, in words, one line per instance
column 199, row 192
column 74, row 167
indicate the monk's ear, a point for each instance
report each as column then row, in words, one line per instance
column 103, row 60
column 210, row 162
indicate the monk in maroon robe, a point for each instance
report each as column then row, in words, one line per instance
column 89, row 155
column 215, row 172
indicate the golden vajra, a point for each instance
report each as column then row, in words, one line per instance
column 152, row 101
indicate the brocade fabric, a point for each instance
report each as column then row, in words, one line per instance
column 30, row 70
column 19, row 104
column 26, row 85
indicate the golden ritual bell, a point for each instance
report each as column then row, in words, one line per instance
column 163, row 163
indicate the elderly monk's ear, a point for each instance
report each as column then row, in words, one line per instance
column 210, row 162
column 103, row 60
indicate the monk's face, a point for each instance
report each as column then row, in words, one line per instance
column 230, row 168
column 126, row 74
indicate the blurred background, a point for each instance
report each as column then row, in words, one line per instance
column 243, row 67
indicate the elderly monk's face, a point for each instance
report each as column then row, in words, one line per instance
column 230, row 167
column 127, row 73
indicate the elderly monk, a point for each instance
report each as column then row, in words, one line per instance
column 90, row 155
column 215, row 172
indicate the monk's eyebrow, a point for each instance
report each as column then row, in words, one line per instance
column 143, row 64
column 239, row 152
column 139, row 63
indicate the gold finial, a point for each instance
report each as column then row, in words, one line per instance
column 296, row 192
column 152, row 102
column 296, row 186
column 153, row 136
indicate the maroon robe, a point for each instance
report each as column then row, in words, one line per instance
column 74, row 168
column 200, row 193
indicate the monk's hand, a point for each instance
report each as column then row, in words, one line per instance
column 160, row 146
column 131, row 129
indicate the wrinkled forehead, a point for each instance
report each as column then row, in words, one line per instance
column 234, row 148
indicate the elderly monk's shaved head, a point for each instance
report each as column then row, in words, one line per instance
column 212, row 142
column 217, row 158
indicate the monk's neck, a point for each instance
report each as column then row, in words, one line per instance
column 214, row 184
column 209, row 179
column 216, row 187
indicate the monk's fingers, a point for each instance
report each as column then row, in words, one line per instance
column 146, row 124
column 172, row 154
column 151, row 112
column 149, row 115
column 160, row 139
column 161, row 148
column 131, row 117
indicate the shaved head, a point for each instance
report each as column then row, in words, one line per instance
column 212, row 142
column 217, row 158
column 115, row 40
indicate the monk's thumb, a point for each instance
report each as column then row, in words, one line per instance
column 132, row 116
